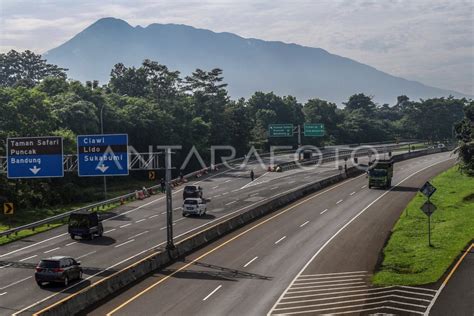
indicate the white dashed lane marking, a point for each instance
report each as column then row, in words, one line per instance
column 210, row 294
column 142, row 233
column 304, row 223
column 248, row 263
column 51, row 250
column 278, row 241
column 124, row 243
column 27, row 258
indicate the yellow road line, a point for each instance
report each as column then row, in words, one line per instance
column 222, row 245
column 457, row 265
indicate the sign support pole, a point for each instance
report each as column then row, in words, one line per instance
column 169, row 206
column 299, row 136
column 429, row 228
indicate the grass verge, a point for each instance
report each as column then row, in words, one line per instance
column 408, row 260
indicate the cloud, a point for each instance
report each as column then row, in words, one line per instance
column 427, row 40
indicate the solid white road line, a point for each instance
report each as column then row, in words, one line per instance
column 51, row 250
column 14, row 283
column 124, row 243
column 329, row 278
column 323, row 211
column 123, row 226
column 347, row 224
column 326, row 292
column 142, row 233
column 326, row 289
column 351, row 306
column 248, row 263
column 276, row 242
column 328, row 281
column 334, row 273
column 210, row 294
column 87, row 254
column 304, row 223
column 339, row 201
column 140, row 220
column 230, row 203
column 27, row 258
column 108, row 231
column 295, row 287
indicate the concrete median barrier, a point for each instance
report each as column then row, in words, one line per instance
column 106, row 287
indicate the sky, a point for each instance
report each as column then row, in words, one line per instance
column 431, row 41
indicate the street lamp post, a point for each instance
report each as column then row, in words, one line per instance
column 102, row 132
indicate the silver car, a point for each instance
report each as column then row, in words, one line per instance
column 194, row 206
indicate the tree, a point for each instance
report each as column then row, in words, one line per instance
column 26, row 69
column 465, row 135
column 360, row 102
column 128, row 81
column 321, row 111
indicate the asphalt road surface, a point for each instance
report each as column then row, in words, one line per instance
column 457, row 297
column 246, row 272
column 134, row 230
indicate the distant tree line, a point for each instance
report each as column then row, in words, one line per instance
column 157, row 106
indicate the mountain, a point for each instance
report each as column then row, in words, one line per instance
column 249, row 64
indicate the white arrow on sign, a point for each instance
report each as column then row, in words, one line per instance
column 103, row 168
column 35, row 169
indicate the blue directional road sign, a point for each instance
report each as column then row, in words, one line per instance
column 102, row 155
column 35, row 157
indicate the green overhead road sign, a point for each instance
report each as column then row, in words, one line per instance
column 280, row 130
column 314, row 129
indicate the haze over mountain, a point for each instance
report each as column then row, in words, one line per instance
column 249, row 64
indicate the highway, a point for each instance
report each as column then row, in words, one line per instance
column 134, row 230
column 336, row 231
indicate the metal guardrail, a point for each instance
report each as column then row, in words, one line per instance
column 132, row 196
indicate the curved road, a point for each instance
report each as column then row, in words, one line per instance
column 337, row 233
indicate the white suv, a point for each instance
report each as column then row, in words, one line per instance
column 194, row 206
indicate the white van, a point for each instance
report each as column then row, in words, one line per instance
column 194, row 206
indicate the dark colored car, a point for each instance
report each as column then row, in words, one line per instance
column 192, row 191
column 59, row 269
column 85, row 224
